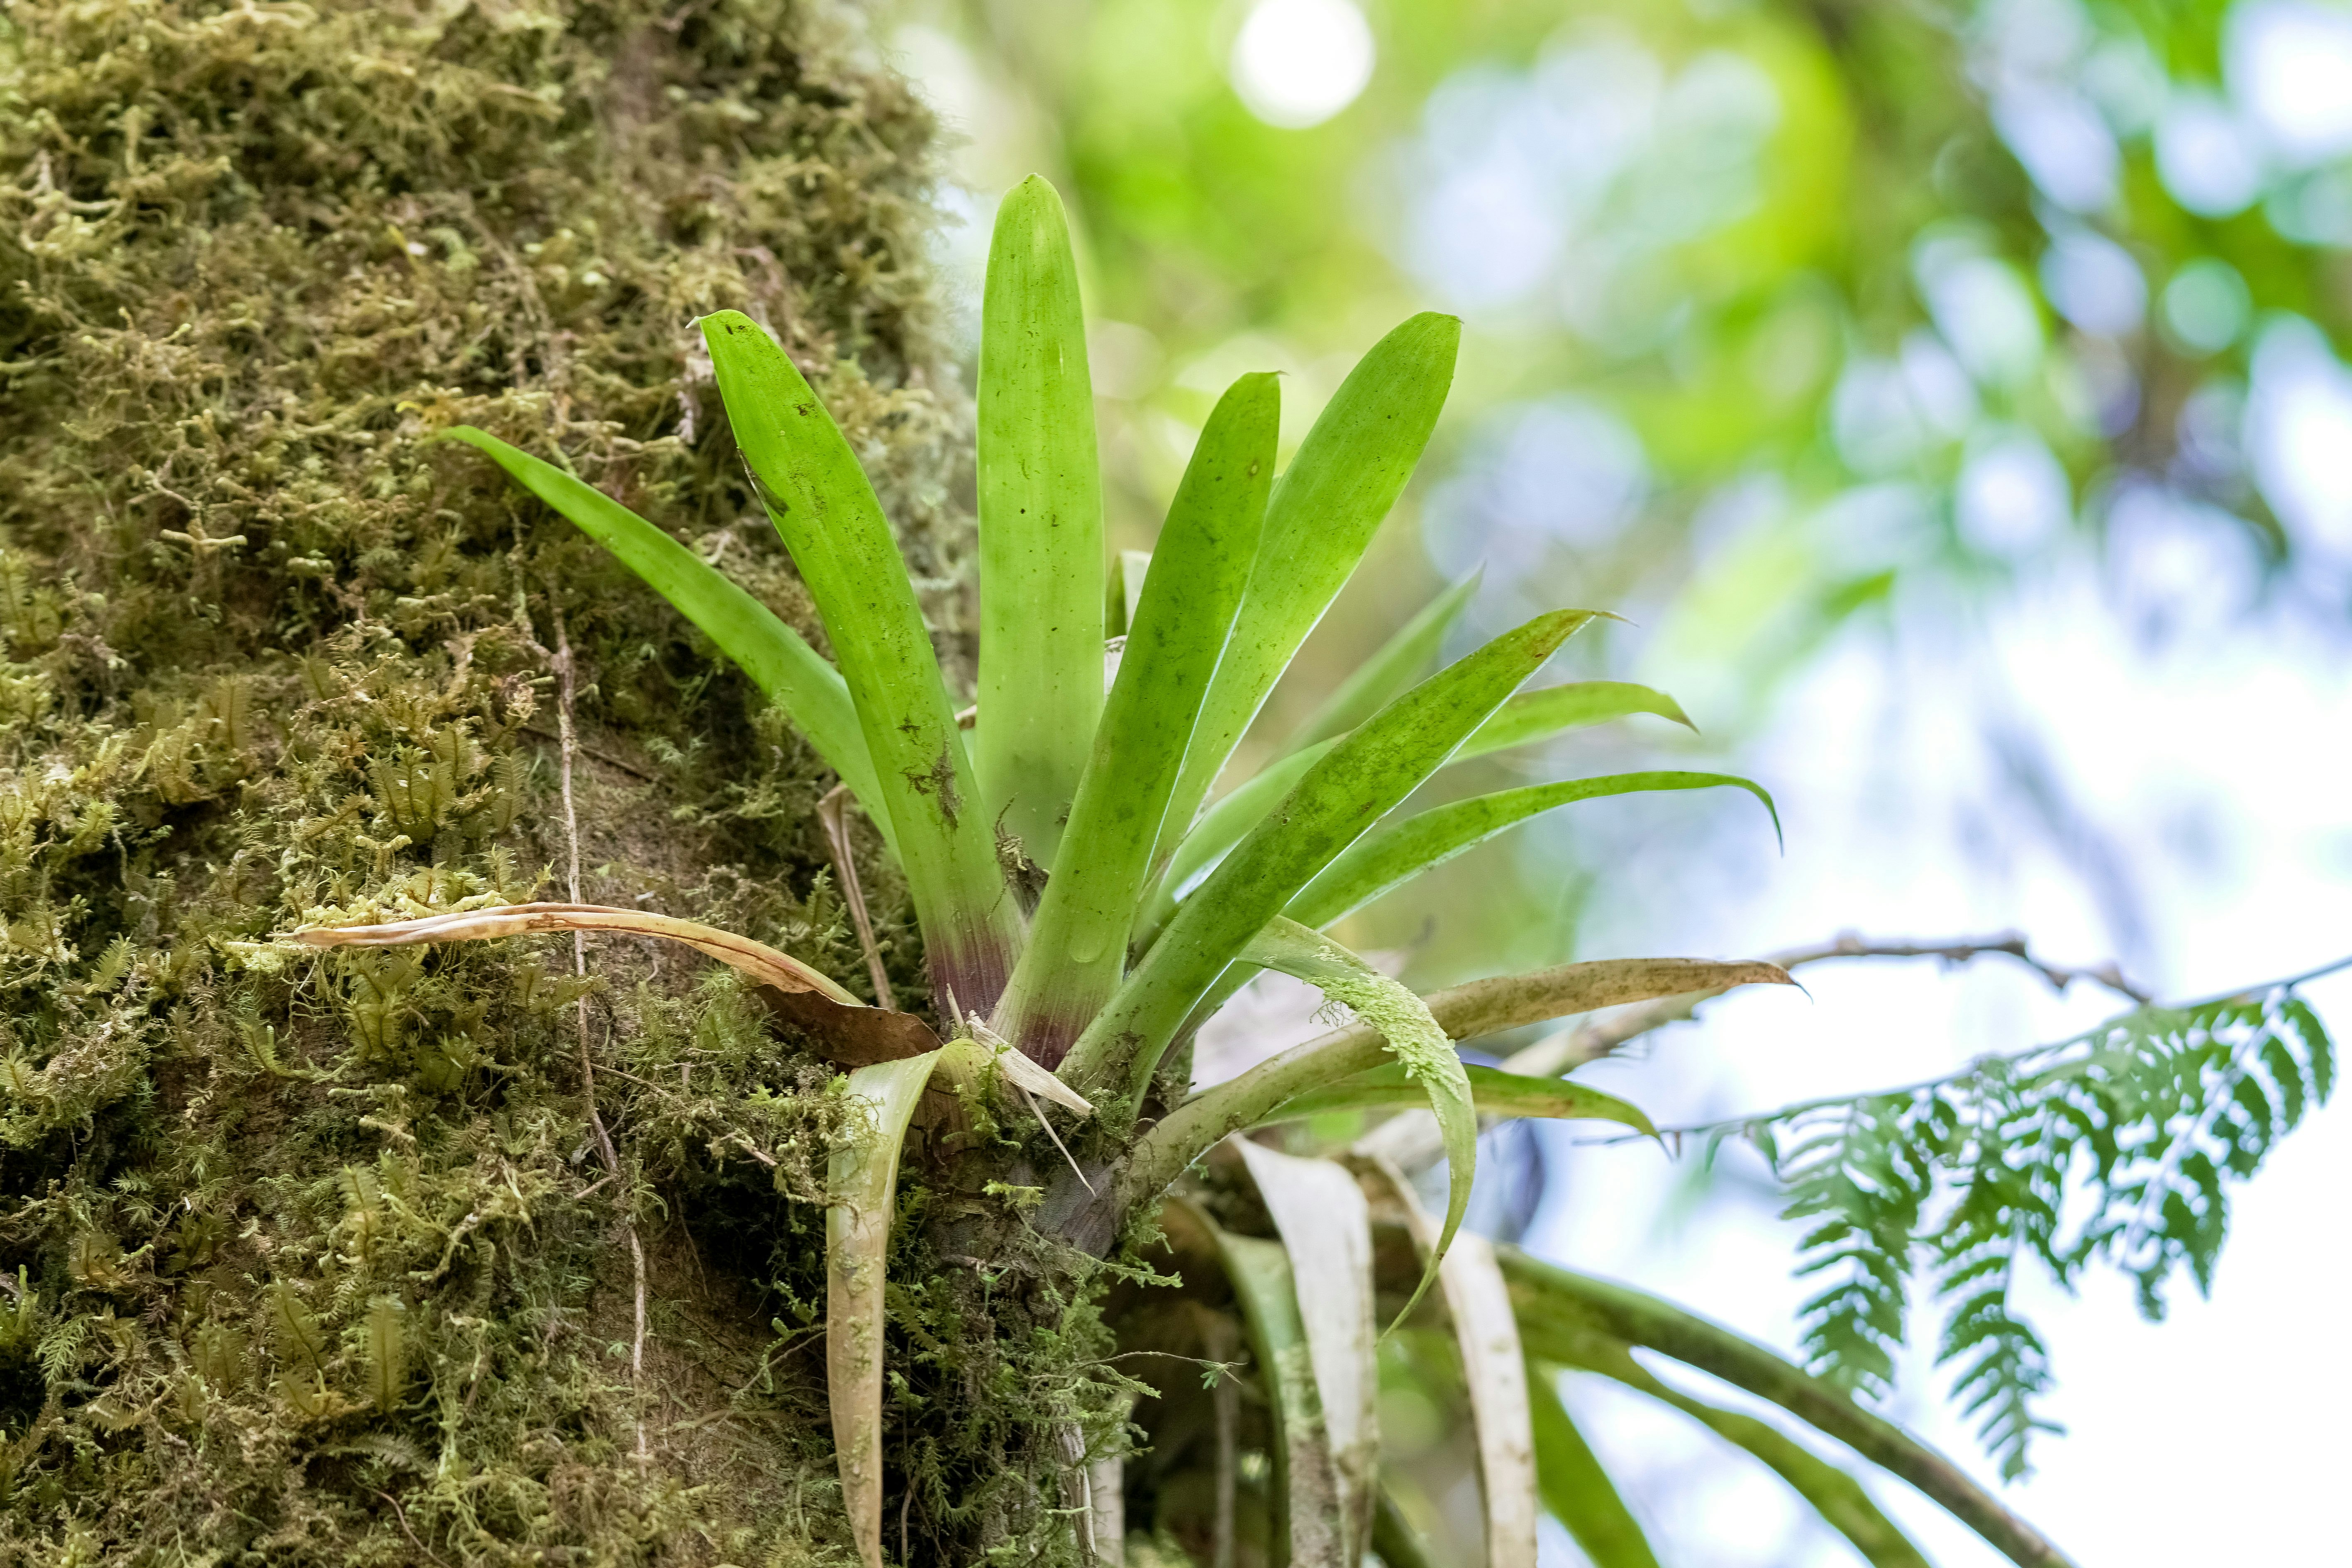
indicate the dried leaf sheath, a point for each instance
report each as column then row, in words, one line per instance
column 756, row 960
column 839, row 1025
column 1486, row 1332
column 1306, row 1483
column 1325, row 1226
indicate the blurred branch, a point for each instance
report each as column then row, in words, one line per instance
column 1411, row 1139
column 2244, row 994
column 2012, row 945
column 1603, row 1034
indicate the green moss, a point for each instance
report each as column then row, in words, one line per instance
column 319, row 1263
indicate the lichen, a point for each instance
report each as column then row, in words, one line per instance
column 314, row 1260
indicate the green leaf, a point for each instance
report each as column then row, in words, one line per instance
column 1399, row 851
column 1364, row 775
column 1837, row 1497
column 2279, row 1059
column 1222, row 827
column 1552, row 710
column 1466, row 1012
column 1395, row 1540
column 386, row 1367
column 1495, row 1094
column 1576, row 1489
column 1421, row 1050
column 1396, row 852
column 1401, row 661
column 780, row 662
column 1564, row 1314
column 1348, row 472
column 863, row 1179
column 1041, row 540
column 1326, row 1229
column 1124, row 587
column 300, row 1340
column 820, row 500
column 1077, row 942
column 1305, row 1485
column 1243, row 807
column 2319, row 1051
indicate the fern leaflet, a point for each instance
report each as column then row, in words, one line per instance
column 2116, row 1146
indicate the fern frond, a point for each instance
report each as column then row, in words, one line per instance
column 2116, row 1146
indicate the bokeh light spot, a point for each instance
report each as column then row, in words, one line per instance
column 2290, row 64
column 2207, row 157
column 2094, row 282
column 2205, row 305
column 1296, row 63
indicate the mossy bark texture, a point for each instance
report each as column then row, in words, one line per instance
column 339, row 1260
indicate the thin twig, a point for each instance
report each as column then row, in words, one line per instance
column 1960, row 950
column 833, row 816
column 753, row 1149
column 592, row 753
column 568, row 744
column 1605, row 1034
column 1225, row 1400
column 2030, row 1055
column 401, row 1514
column 637, row 1344
column 567, row 739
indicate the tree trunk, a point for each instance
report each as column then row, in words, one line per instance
column 500, row 1253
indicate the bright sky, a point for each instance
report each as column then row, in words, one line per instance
column 2217, row 769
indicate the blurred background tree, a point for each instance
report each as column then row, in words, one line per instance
column 1951, row 395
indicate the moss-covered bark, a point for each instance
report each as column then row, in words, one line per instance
column 319, row 1260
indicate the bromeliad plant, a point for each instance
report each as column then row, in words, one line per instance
column 1082, row 914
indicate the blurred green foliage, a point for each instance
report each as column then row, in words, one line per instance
column 1782, row 318
column 1764, row 236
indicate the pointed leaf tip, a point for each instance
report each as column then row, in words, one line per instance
column 1364, row 775
column 1346, row 476
column 1554, row 627
column 1399, row 851
column 776, row 657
